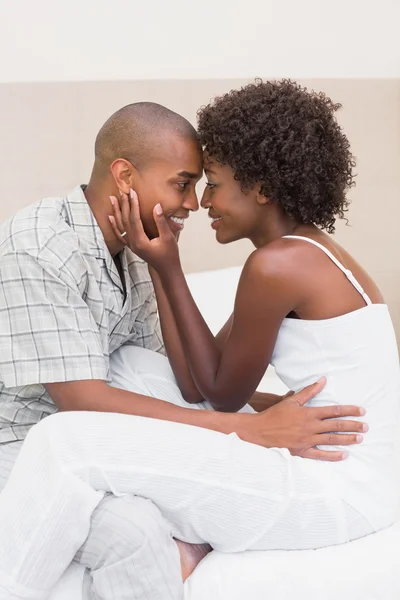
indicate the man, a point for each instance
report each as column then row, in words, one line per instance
column 70, row 296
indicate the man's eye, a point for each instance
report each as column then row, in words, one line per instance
column 183, row 184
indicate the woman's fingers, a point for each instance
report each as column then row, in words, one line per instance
column 161, row 222
column 125, row 211
column 117, row 213
column 116, row 230
column 135, row 220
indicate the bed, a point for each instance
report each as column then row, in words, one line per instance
column 366, row 569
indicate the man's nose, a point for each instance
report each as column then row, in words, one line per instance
column 191, row 202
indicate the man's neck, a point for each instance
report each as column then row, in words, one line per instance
column 98, row 195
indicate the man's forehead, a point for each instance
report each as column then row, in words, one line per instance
column 181, row 156
column 186, row 164
column 175, row 168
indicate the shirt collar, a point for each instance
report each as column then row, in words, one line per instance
column 82, row 220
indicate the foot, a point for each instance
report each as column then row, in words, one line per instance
column 191, row 555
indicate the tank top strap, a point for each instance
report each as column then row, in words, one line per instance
column 333, row 258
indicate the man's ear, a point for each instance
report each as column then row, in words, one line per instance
column 123, row 173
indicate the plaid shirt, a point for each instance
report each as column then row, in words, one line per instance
column 62, row 307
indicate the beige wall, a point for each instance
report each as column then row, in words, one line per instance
column 44, row 40
column 46, row 147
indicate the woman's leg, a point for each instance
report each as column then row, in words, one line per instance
column 211, row 488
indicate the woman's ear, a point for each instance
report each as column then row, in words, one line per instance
column 261, row 199
column 123, row 173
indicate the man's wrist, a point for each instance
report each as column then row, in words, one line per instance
column 245, row 425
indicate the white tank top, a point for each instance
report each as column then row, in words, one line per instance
column 358, row 354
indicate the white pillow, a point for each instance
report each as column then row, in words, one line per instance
column 214, row 293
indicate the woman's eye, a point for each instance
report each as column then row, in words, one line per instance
column 211, row 186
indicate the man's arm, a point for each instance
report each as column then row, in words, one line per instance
column 97, row 395
column 287, row 425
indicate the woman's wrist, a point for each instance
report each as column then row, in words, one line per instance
column 169, row 273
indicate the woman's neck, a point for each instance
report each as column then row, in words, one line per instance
column 277, row 226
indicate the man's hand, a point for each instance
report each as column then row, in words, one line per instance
column 290, row 424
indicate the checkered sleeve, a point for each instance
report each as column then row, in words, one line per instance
column 47, row 332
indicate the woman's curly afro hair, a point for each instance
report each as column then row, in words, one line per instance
column 286, row 138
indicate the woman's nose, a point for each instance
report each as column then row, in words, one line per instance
column 205, row 200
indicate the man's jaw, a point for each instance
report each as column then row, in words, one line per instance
column 176, row 223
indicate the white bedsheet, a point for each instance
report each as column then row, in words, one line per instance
column 366, row 569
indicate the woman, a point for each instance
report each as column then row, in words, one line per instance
column 278, row 167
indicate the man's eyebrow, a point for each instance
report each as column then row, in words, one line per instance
column 189, row 175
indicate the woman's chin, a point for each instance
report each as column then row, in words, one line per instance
column 222, row 240
column 223, row 237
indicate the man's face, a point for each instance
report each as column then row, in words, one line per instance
column 170, row 179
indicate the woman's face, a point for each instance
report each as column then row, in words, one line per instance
column 234, row 213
